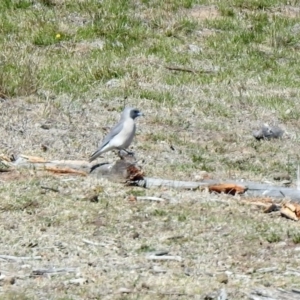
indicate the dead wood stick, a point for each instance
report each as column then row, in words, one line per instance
column 91, row 243
column 164, row 257
column 16, row 258
column 58, row 170
column 272, row 294
column 94, row 243
column 177, row 68
column 145, row 292
column 50, row 189
column 97, row 244
column 53, row 271
column 189, row 70
column 155, row 199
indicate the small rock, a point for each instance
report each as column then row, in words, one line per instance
column 211, row 296
column 280, row 245
column 44, row 147
column 194, row 49
column 222, row 295
column 26, row 266
column 145, row 286
column 135, row 235
column 281, row 176
column 78, row 281
column 7, row 279
column 296, row 29
column 188, row 271
column 10, row 280
column 132, row 198
column 124, row 291
column 91, row 197
column 250, row 271
column 268, row 132
column 113, row 83
column 45, row 126
column 97, row 44
column 157, row 269
column 266, row 283
column 222, row 278
column 201, row 176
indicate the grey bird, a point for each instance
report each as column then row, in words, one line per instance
column 121, row 135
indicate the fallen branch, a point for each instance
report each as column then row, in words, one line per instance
column 49, row 189
column 176, row 68
column 20, row 258
column 164, row 257
column 253, row 189
column 65, row 171
column 155, row 199
column 188, row 70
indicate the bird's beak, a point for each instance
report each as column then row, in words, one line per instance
column 140, row 114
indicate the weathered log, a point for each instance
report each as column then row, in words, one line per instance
column 125, row 170
column 253, row 188
column 121, row 170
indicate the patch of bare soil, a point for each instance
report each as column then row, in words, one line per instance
column 288, row 11
column 11, row 176
column 203, row 12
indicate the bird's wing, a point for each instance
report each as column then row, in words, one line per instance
column 114, row 131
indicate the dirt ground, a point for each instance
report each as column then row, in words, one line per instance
column 99, row 250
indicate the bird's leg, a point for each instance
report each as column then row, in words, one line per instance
column 128, row 152
column 123, row 152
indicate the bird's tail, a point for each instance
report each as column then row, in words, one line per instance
column 95, row 155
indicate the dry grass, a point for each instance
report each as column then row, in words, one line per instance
column 60, row 93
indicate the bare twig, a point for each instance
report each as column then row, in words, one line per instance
column 155, row 199
column 176, row 68
column 16, row 258
column 50, row 189
column 189, row 70
column 53, row 271
column 175, row 237
column 98, row 244
column 164, row 257
column 92, row 243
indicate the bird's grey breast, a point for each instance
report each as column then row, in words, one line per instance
column 128, row 132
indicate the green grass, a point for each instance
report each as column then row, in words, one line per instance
column 126, row 33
